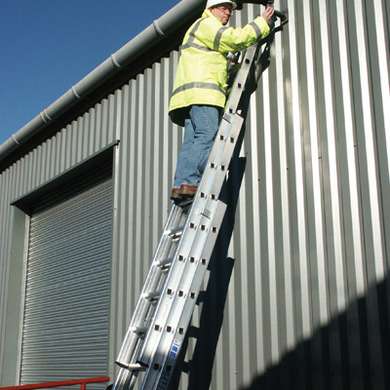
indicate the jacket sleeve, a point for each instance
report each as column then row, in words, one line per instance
column 229, row 39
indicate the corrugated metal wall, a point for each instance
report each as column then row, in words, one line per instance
column 308, row 301
column 73, row 144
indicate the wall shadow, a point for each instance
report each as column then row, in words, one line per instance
column 352, row 352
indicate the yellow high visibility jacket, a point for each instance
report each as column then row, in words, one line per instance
column 202, row 74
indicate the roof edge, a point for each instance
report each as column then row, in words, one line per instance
column 159, row 30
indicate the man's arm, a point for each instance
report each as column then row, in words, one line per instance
column 229, row 39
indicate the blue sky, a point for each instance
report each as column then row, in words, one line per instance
column 47, row 46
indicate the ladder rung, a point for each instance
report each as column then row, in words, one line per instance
column 152, row 295
column 176, row 233
column 164, row 262
column 139, row 330
column 132, row 366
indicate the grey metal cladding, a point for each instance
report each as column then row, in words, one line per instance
column 311, row 241
column 76, row 142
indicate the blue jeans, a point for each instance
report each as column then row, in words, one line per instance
column 201, row 127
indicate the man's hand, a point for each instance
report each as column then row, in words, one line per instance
column 267, row 13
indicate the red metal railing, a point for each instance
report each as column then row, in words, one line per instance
column 82, row 382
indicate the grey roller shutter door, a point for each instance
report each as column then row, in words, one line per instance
column 67, row 305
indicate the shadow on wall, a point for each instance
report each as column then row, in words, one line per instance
column 352, row 352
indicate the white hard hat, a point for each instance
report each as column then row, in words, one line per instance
column 212, row 3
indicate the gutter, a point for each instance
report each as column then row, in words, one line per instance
column 159, row 30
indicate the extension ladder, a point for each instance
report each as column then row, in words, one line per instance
column 164, row 309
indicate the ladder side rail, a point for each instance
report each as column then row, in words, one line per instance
column 125, row 378
column 241, row 78
column 202, row 206
column 188, row 289
column 151, row 275
column 189, row 234
column 161, row 369
column 129, row 342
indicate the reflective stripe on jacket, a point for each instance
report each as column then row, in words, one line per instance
column 201, row 76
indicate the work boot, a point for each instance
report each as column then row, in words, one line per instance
column 175, row 194
column 185, row 191
column 188, row 190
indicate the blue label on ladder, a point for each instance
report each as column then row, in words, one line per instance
column 166, row 374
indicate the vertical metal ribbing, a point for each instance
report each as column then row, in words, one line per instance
column 384, row 67
column 304, row 316
column 86, row 134
column 5, row 185
column 97, row 126
column 104, row 126
column 139, row 183
column 281, row 75
column 120, row 232
column 115, row 131
column 147, row 166
column 79, row 138
column 320, row 312
column 73, row 142
column 165, row 131
column 50, row 153
column 243, row 306
column 382, row 54
column 130, row 165
column 269, row 186
column 251, row 184
column 344, row 64
column 369, row 144
column 177, row 133
column 333, row 167
column 68, row 148
column 157, row 140
column 375, row 268
column 260, row 364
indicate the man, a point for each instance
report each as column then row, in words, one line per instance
column 200, row 88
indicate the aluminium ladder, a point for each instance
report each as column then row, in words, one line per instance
column 164, row 309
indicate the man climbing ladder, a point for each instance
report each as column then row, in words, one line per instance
column 163, row 313
column 199, row 93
